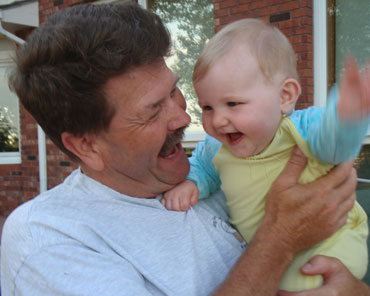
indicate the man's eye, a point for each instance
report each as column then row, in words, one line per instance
column 232, row 104
column 173, row 92
column 156, row 109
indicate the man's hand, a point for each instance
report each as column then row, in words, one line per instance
column 303, row 215
column 337, row 279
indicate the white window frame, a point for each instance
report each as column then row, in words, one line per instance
column 10, row 157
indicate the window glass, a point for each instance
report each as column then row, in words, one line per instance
column 9, row 114
column 191, row 25
column 352, row 32
column 352, row 36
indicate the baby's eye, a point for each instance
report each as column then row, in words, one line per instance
column 206, row 108
column 232, row 104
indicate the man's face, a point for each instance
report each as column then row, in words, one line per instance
column 141, row 151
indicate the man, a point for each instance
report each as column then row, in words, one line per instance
column 95, row 79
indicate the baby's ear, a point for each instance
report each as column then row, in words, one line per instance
column 290, row 91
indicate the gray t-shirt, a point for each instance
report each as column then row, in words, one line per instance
column 83, row 238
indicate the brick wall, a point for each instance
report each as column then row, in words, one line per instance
column 49, row 7
column 294, row 19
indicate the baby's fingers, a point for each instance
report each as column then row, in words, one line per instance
column 185, row 203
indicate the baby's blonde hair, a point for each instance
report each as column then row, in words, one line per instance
column 268, row 44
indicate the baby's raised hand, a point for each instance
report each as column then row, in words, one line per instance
column 181, row 197
column 354, row 92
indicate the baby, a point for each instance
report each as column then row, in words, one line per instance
column 247, row 84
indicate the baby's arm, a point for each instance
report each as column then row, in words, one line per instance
column 181, row 197
column 354, row 92
column 336, row 133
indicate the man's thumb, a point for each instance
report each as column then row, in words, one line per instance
column 295, row 166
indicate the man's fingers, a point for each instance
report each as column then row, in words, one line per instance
column 294, row 167
column 345, row 206
column 339, row 175
column 321, row 265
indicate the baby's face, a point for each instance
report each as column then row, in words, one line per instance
column 240, row 107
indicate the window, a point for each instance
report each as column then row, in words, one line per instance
column 348, row 32
column 191, row 25
column 351, row 36
column 9, row 115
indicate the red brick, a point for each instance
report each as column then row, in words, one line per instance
column 289, row 24
column 240, row 8
column 228, row 3
column 270, row 10
column 306, row 3
column 306, row 73
column 258, row 4
column 273, row 2
column 297, row 13
column 221, row 12
column 290, row 6
column 303, row 30
column 229, row 19
column 301, row 47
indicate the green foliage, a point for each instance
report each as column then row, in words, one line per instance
column 8, row 133
column 191, row 26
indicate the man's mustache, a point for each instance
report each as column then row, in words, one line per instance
column 172, row 140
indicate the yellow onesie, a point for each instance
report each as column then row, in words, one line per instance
column 246, row 183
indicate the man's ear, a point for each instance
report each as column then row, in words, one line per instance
column 290, row 91
column 84, row 147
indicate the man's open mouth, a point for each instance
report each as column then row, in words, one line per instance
column 170, row 153
column 172, row 144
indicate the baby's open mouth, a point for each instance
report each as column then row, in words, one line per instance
column 234, row 137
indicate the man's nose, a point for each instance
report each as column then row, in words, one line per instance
column 179, row 117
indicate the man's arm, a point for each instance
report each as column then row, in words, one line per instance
column 288, row 226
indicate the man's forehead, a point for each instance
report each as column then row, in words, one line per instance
column 151, row 80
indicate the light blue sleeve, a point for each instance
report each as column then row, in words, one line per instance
column 202, row 171
column 331, row 140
